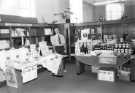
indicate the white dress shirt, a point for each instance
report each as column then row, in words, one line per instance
column 55, row 40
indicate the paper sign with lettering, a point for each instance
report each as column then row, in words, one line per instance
column 11, row 77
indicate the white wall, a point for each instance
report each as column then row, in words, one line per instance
column 76, row 7
column 45, row 9
column 88, row 12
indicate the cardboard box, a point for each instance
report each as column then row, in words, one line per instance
column 94, row 69
column 124, row 75
column 107, row 74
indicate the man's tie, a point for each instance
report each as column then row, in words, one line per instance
column 59, row 39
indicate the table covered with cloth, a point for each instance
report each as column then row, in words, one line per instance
column 81, row 61
column 52, row 62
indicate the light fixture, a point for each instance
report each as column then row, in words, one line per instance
column 107, row 2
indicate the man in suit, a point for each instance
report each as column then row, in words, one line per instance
column 58, row 42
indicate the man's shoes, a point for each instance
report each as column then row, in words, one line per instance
column 59, row 75
column 56, row 75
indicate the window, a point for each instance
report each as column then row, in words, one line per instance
column 25, row 8
column 114, row 11
column 76, row 7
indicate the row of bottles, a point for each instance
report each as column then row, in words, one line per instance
column 83, row 48
column 103, row 47
column 122, row 48
column 119, row 49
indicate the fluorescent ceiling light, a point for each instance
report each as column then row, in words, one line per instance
column 107, row 2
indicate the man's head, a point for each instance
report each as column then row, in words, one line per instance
column 56, row 30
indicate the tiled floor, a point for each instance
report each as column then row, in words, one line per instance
column 71, row 83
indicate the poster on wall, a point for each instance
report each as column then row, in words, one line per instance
column 48, row 31
column 84, row 34
column 11, row 77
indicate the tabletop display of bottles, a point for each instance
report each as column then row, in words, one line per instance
column 83, row 48
column 122, row 48
column 103, row 47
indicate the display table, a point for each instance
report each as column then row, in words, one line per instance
column 81, row 61
column 28, row 69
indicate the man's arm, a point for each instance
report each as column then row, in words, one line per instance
column 63, row 42
column 53, row 40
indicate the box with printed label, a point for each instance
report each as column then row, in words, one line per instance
column 107, row 75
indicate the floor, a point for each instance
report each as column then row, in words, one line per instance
column 72, row 83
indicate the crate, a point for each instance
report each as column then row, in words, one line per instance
column 107, row 60
column 94, row 69
column 107, row 74
column 124, row 75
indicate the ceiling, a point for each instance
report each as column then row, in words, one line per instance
column 93, row 1
column 89, row 1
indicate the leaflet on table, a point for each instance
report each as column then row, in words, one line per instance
column 44, row 48
column 52, row 62
column 14, row 57
column 17, row 58
column 18, row 54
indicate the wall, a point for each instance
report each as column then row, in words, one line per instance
column 129, row 10
column 99, row 11
column 45, row 9
column 121, row 28
column 88, row 12
column 76, row 6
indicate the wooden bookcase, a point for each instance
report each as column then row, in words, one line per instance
column 33, row 32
